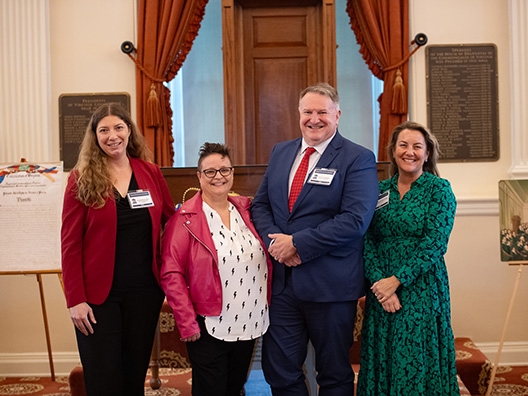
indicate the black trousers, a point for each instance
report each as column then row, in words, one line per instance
column 219, row 368
column 115, row 358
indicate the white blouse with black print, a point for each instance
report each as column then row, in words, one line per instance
column 244, row 272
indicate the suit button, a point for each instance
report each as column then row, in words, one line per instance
column 188, row 222
column 290, row 222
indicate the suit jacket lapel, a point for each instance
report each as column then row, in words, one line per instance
column 328, row 157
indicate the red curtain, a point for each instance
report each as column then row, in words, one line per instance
column 166, row 31
column 382, row 31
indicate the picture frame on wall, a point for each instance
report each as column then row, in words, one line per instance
column 513, row 218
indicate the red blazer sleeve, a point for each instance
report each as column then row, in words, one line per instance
column 149, row 177
column 88, row 248
column 168, row 204
column 73, row 215
column 167, row 210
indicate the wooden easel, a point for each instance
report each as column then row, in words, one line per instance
column 508, row 314
column 43, row 305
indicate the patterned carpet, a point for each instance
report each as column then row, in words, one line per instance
column 511, row 381
column 175, row 382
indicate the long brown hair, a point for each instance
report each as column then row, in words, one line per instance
column 94, row 184
column 431, row 143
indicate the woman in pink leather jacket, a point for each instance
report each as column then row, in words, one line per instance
column 217, row 277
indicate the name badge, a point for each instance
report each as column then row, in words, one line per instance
column 140, row 199
column 383, row 200
column 322, row 176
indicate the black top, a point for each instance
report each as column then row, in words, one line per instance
column 133, row 258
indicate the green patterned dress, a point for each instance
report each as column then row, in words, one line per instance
column 410, row 352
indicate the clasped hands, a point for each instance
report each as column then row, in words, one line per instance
column 283, row 251
column 385, row 292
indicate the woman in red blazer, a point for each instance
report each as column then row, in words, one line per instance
column 115, row 204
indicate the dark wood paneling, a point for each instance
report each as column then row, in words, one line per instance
column 276, row 103
column 276, row 3
column 246, row 182
column 281, row 56
column 279, row 30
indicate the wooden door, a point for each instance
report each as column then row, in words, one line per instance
column 272, row 50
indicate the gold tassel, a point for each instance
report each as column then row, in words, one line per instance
column 153, row 113
column 399, row 97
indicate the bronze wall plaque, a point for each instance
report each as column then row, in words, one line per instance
column 75, row 111
column 462, row 101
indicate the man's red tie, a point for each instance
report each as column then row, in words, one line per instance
column 298, row 179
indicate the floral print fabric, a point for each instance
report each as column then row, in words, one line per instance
column 410, row 352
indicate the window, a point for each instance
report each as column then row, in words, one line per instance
column 197, row 91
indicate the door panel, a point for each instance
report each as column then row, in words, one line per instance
column 270, row 55
column 276, row 96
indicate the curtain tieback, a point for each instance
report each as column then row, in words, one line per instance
column 153, row 111
column 399, row 96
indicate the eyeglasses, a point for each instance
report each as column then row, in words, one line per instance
column 211, row 173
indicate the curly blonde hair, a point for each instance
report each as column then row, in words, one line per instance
column 94, row 185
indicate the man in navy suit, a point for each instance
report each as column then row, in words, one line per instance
column 316, row 246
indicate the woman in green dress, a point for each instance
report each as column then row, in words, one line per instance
column 407, row 345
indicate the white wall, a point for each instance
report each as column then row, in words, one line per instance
column 481, row 285
column 85, row 39
column 85, row 57
column 466, row 22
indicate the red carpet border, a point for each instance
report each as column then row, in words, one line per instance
column 175, row 382
column 509, row 380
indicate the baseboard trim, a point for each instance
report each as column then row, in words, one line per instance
column 37, row 364
column 513, row 353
